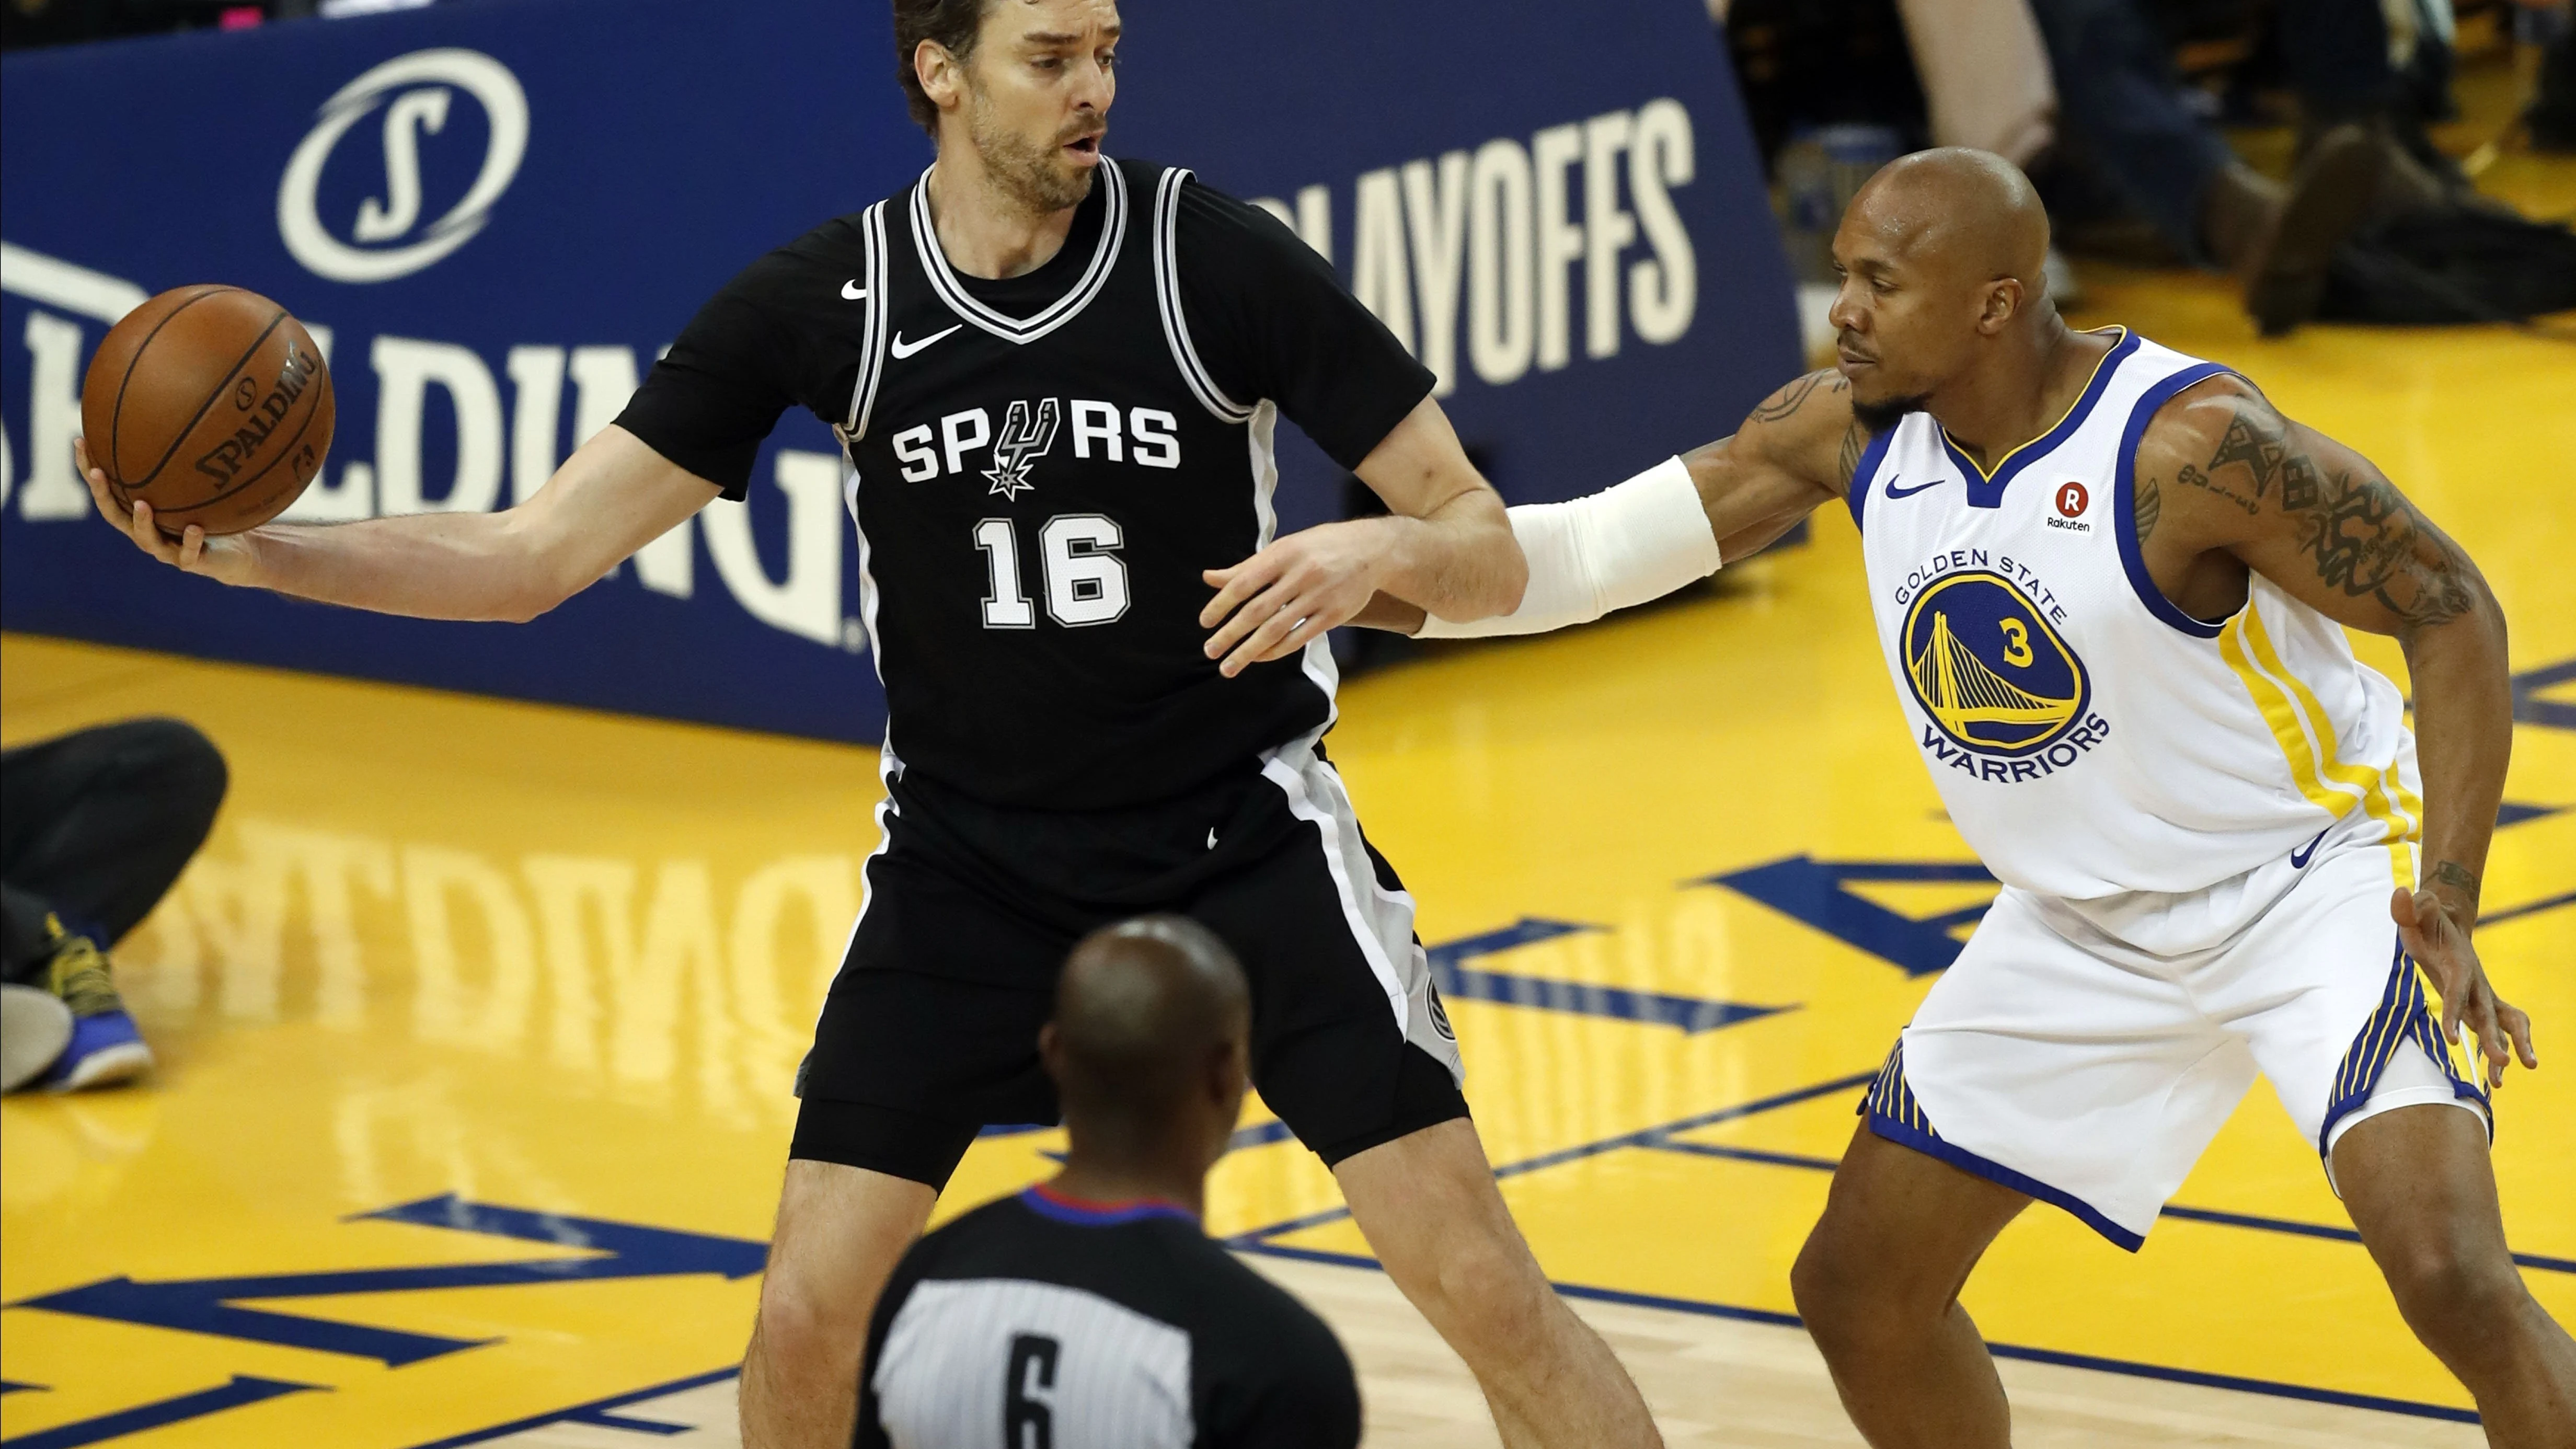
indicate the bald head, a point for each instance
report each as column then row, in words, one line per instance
column 1969, row 212
column 1944, row 257
column 1151, row 1016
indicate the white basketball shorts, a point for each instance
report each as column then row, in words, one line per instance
column 2072, row 1064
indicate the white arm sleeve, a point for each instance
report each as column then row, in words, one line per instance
column 1622, row 546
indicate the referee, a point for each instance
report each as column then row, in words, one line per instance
column 1091, row 1309
column 1056, row 379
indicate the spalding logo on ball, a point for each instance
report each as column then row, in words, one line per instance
column 211, row 404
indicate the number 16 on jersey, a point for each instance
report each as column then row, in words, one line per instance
column 1086, row 581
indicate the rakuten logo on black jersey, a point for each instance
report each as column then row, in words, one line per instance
column 1147, row 437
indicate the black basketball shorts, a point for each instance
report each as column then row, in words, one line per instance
column 930, row 1031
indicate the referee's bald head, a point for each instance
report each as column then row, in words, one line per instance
column 1152, row 1020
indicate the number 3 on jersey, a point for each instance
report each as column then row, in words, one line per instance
column 1086, row 581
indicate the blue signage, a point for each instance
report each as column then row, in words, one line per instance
column 494, row 216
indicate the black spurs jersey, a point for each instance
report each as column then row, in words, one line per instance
column 1042, row 467
column 1040, row 1322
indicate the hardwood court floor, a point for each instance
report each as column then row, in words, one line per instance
column 461, row 983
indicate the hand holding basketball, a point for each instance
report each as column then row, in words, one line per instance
column 225, row 559
column 206, row 411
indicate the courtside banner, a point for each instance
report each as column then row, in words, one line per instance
column 494, row 214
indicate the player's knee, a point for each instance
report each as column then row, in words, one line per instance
column 2451, row 1291
column 1478, row 1285
column 1480, row 1273
column 1848, row 1302
column 184, row 770
column 1824, row 1293
column 803, row 1319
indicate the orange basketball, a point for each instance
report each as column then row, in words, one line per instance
column 211, row 404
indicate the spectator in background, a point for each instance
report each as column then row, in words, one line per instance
column 28, row 23
column 2550, row 28
column 1986, row 86
column 94, row 826
column 2122, row 104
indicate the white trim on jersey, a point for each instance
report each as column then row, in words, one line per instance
column 1167, row 295
column 1260, row 436
column 872, row 336
column 934, row 264
column 1096, row 1371
column 887, row 768
column 1264, row 427
column 1302, row 777
column 868, row 592
column 889, row 764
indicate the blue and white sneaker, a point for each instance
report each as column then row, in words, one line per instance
column 35, row 1026
column 105, row 1048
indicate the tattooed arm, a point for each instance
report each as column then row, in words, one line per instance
column 1794, row 453
column 2227, row 486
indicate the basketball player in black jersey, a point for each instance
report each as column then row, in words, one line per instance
column 1092, row 1309
column 1056, row 378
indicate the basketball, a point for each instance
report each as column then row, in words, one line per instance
column 211, row 404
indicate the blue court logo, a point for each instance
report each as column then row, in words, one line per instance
column 1985, row 665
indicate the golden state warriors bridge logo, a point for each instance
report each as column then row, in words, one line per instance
column 1996, row 679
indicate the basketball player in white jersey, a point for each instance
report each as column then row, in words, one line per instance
column 2111, row 582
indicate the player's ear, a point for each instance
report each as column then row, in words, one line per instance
column 1226, row 1076
column 2002, row 303
column 939, row 73
column 1050, row 1051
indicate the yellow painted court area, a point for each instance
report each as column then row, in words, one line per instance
column 533, row 973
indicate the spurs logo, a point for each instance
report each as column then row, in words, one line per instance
column 1026, row 436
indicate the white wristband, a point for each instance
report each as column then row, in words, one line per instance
column 1622, row 546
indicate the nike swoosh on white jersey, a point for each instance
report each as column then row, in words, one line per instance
column 906, row 349
column 851, row 291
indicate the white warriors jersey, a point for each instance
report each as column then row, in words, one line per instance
column 2089, row 738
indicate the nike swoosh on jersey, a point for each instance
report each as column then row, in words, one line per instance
column 851, row 291
column 904, row 349
column 2300, row 857
column 1895, row 492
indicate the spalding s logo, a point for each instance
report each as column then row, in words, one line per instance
column 421, row 86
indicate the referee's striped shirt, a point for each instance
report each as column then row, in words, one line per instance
column 1042, row 1322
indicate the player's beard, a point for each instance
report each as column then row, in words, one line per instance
column 1034, row 173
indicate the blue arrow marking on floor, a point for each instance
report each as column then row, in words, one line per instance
column 1652, row 1008
column 208, row 1305
column 1812, row 891
column 242, row 1390
column 2530, row 708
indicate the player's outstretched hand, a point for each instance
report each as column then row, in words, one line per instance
column 223, row 559
column 2439, row 942
column 1274, row 603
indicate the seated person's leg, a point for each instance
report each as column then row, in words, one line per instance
column 2120, row 100
column 97, row 826
column 100, row 822
column 2337, row 56
column 2118, row 96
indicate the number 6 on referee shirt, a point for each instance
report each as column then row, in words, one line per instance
column 1086, row 581
column 1027, row 1421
